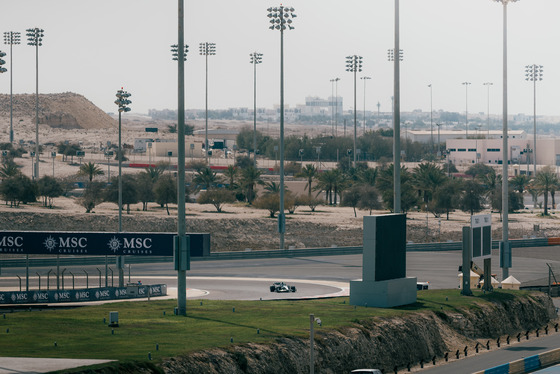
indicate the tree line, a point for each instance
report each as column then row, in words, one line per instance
column 428, row 187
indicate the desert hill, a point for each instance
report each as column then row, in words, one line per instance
column 60, row 110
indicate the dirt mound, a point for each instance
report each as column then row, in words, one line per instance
column 62, row 110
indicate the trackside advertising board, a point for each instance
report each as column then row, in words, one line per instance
column 481, row 231
column 88, row 243
column 81, row 295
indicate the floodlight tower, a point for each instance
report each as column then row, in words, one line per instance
column 505, row 250
column 35, row 39
column 396, row 99
column 122, row 102
column 365, row 79
column 11, row 38
column 336, row 106
column 534, row 73
column 207, row 49
column 2, row 62
column 488, row 84
column 256, row 58
column 281, row 18
column 181, row 247
column 466, row 84
column 354, row 65
column 431, row 117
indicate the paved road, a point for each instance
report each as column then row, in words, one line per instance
column 489, row 359
column 316, row 276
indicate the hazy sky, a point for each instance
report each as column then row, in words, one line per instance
column 95, row 47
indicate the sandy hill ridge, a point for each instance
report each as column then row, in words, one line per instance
column 61, row 110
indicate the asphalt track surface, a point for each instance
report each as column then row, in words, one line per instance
column 318, row 277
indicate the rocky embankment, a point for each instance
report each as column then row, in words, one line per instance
column 375, row 343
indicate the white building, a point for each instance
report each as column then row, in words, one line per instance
column 317, row 106
column 425, row 136
column 489, row 151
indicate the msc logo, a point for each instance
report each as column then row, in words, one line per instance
column 138, row 243
column 51, row 243
column 115, row 243
column 11, row 241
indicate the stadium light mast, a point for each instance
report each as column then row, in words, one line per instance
column 122, row 102
column 466, row 84
column 35, row 39
column 396, row 113
column 354, row 65
column 11, row 38
column 256, row 58
column 505, row 249
column 207, row 49
column 365, row 79
column 534, row 73
column 281, row 18
column 181, row 245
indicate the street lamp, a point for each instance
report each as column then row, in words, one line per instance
column 488, row 84
column 11, row 38
column 256, row 58
column 505, row 250
column 354, row 65
column 534, row 73
column 365, row 79
column 122, row 102
column 281, row 18
column 466, row 84
column 431, row 118
column 207, row 49
column 35, row 39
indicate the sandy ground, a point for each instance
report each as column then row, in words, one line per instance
column 422, row 227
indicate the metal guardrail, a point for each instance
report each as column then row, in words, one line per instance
column 244, row 255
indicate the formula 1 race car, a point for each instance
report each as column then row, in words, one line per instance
column 282, row 287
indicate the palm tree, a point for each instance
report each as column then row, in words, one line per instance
column 368, row 176
column 206, row 178
column 309, row 172
column 325, row 182
column 384, row 184
column 90, row 169
column 9, row 169
column 492, row 185
column 545, row 182
column 231, row 175
column 154, row 172
column 520, row 182
column 250, row 176
column 340, row 183
column 426, row 178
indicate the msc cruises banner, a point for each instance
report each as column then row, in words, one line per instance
column 90, row 243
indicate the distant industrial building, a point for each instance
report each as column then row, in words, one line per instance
column 489, row 151
column 427, row 136
column 316, row 106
